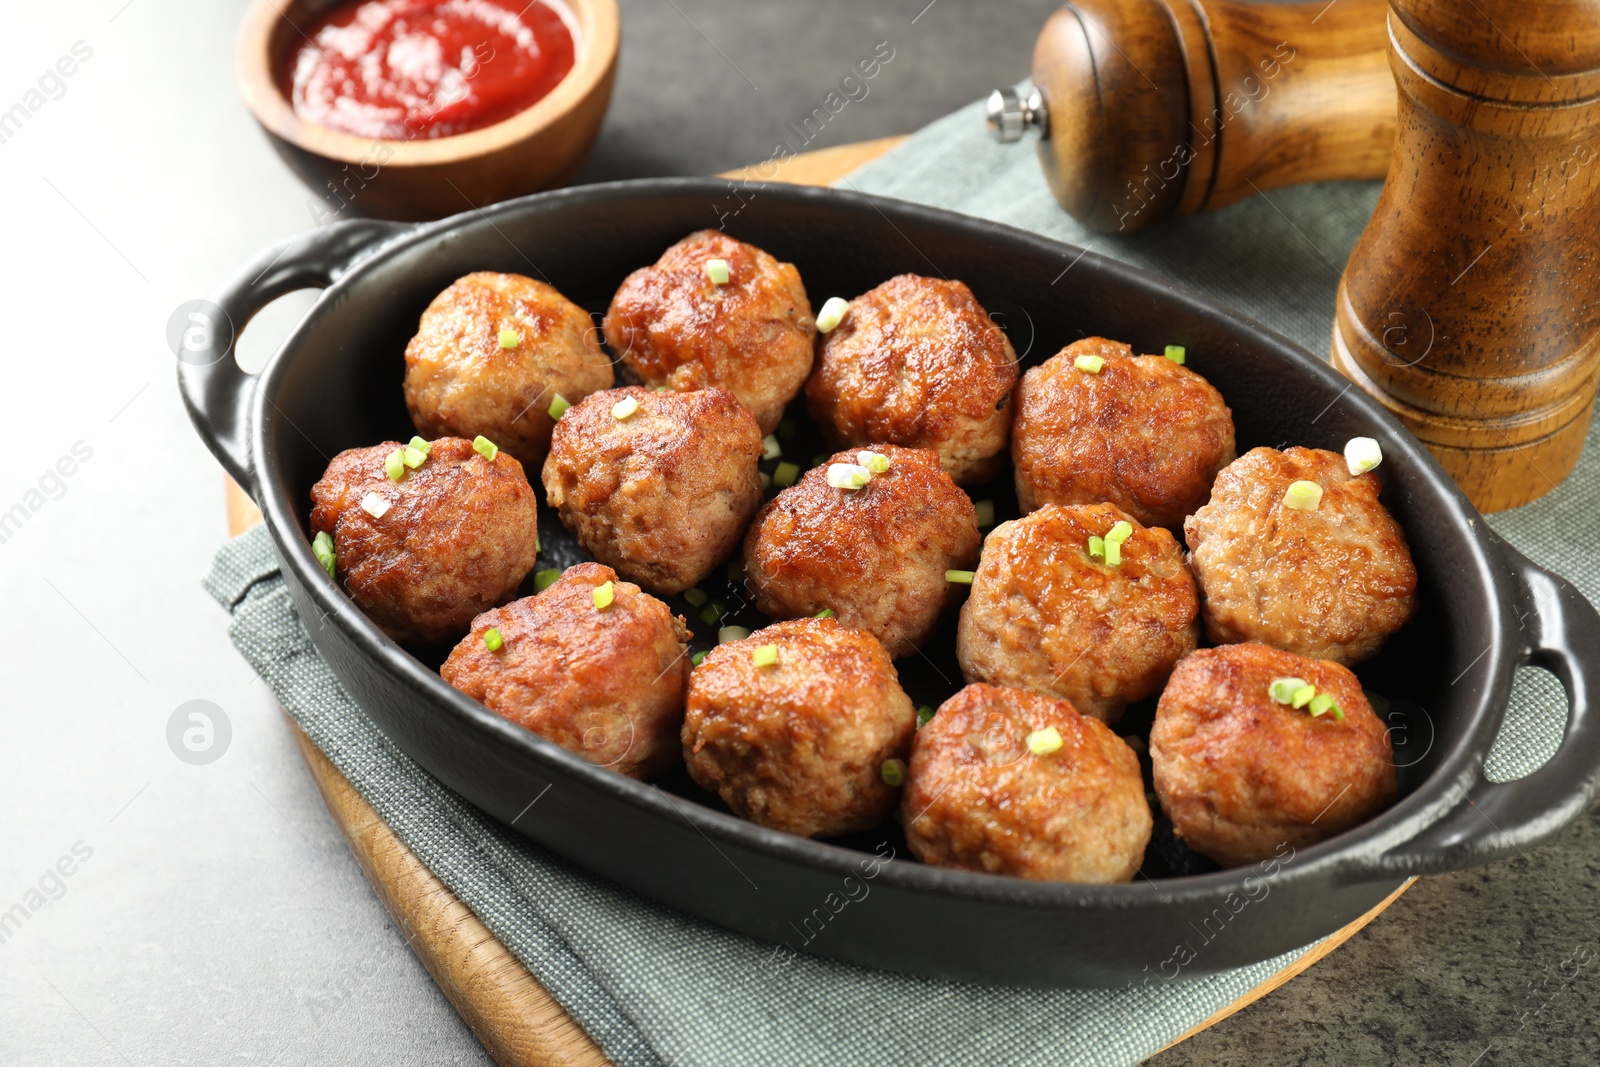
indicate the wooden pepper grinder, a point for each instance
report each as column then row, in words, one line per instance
column 1471, row 304
column 1149, row 108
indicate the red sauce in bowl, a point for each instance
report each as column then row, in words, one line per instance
column 403, row 69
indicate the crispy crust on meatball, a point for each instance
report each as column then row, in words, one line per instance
column 978, row 799
column 663, row 495
column 605, row 683
column 918, row 362
column 460, row 381
column 1144, row 434
column 799, row 745
column 459, row 535
column 1045, row 615
column 1332, row 583
column 673, row 326
column 875, row 555
column 1240, row 775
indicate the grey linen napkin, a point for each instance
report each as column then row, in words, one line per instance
column 655, row 987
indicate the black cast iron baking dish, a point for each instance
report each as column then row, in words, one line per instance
column 1486, row 610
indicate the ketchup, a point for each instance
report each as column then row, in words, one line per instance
column 403, row 69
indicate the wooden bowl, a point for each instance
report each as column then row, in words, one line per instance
column 539, row 148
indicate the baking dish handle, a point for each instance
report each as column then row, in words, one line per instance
column 216, row 392
column 1498, row 819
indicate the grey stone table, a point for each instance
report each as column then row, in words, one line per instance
column 154, row 911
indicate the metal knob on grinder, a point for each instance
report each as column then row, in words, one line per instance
column 1150, row 108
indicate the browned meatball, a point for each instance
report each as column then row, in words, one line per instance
column 1240, row 774
column 918, row 362
column 1046, row 615
column 664, row 494
column 455, row 536
column 673, row 326
column 604, row 682
column 876, row 556
column 799, row 744
column 1331, row 583
column 1144, row 434
column 461, row 380
column 980, row 799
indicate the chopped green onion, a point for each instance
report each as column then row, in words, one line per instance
column 1089, row 364
column 770, row 448
column 832, row 314
column 510, row 338
column 959, row 577
column 1337, row 714
column 924, row 715
column 421, row 445
column 1120, row 531
column 1097, row 547
column 375, row 505
column 1044, row 742
column 413, row 457
column 558, row 407
column 985, row 510
column 485, row 447
column 1283, row 690
column 1113, row 553
column 1320, row 704
column 731, row 633
column 624, row 407
column 1302, row 496
column 786, row 429
column 322, row 548
column 1302, row 696
column 1361, row 454
column 711, row 614
column 492, row 639
column 663, row 388
column 717, row 271
column 604, row 594
column 695, row 596
column 876, row 462
column 1176, row 354
column 786, row 475
column 545, row 579
column 765, row 656
column 848, row 475
column 394, row 466
column 825, row 613
column 698, row 658
column 893, row 773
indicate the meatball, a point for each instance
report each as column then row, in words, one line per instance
column 918, row 362
column 1046, row 615
column 799, row 743
column 452, row 538
column 979, row 798
column 606, row 683
column 876, row 556
column 1240, row 774
column 463, row 379
column 1144, row 434
column 1330, row 583
column 752, row 335
column 664, row 494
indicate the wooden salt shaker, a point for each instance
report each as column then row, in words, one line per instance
column 1471, row 304
column 1151, row 108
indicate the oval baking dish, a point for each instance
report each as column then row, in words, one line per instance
column 1486, row 610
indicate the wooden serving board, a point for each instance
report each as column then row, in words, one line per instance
column 506, row 1007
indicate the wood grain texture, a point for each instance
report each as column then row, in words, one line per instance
column 540, row 147
column 504, row 1004
column 1161, row 107
column 1470, row 306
